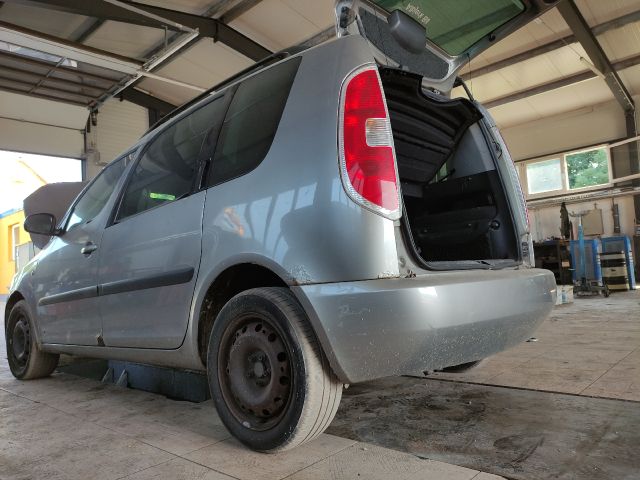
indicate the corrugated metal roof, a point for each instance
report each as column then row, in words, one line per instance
column 277, row 24
column 619, row 44
column 52, row 22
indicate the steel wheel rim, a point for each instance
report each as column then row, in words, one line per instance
column 254, row 371
column 20, row 342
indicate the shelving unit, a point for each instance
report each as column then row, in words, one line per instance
column 554, row 255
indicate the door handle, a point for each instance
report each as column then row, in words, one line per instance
column 89, row 248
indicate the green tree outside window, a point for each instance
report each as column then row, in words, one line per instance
column 587, row 169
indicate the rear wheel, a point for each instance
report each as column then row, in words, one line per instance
column 26, row 360
column 269, row 379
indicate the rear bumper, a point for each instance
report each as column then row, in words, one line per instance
column 386, row 327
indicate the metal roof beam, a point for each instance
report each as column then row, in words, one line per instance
column 95, row 56
column 145, row 100
column 90, row 30
column 136, row 96
column 589, row 42
column 563, row 82
column 551, row 46
column 207, row 27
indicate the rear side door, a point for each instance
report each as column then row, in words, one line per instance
column 150, row 253
column 66, row 276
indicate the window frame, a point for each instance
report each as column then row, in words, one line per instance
column 14, row 241
column 564, row 172
column 592, row 187
column 198, row 185
column 63, row 224
column 208, row 178
column 547, row 193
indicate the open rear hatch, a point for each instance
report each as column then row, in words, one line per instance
column 445, row 34
column 456, row 211
column 461, row 198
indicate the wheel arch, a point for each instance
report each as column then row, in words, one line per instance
column 228, row 283
column 14, row 298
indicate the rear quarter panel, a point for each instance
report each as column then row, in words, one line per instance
column 292, row 210
column 291, row 214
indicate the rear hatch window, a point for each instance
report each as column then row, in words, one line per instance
column 455, row 26
column 455, row 31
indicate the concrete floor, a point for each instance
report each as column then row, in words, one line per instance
column 590, row 347
column 67, row 427
column 526, row 413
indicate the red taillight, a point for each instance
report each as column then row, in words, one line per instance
column 367, row 156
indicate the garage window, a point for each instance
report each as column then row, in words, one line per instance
column 573, row 171
column 168, row 168
column 544, row 176
column 14, row 240
column 251, row 123
column 588, row 168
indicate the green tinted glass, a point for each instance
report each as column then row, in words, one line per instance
column 455, row 25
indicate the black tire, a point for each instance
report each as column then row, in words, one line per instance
column 26, row 360
column 269, row 378
column 463, row 367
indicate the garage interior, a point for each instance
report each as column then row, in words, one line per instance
column 81, row 81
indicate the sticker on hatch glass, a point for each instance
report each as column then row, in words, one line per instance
column 416, row 13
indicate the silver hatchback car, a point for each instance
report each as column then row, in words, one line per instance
column 327, row 217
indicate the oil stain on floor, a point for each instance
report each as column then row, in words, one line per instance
column 519, row 434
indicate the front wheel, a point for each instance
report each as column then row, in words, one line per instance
column 26, row 360
column 269, row 378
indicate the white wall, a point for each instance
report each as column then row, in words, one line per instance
column 568, row 131
column 22, row 136
column 120, row 125
column 35, row 125
column 545, row 221
column 601, row 123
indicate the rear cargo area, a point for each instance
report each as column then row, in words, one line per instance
column 455, row 205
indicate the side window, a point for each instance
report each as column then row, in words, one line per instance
column 169, row 166
column 95, row 197
column 252, row 121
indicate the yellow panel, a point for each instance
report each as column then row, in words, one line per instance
column 7, row 265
